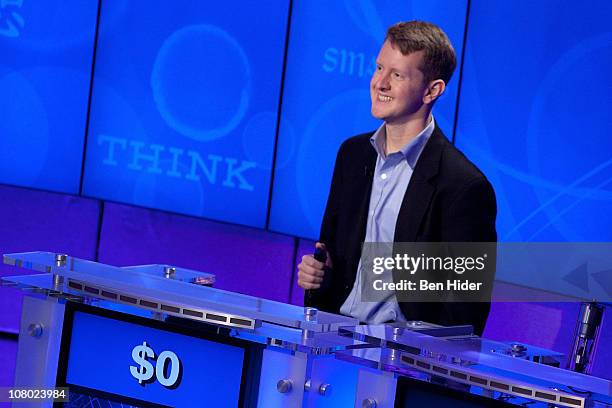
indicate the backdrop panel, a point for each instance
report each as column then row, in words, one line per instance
column 184, row 107
column 45, row 72
column 535, row 115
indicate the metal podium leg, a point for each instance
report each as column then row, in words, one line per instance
column 375, row 389
column 39, row 344
column 282, row 379
column 332, row 383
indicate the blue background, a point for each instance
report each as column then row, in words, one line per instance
column 101, row 355
column 535, row 117
column 46, row 53
column 204, row 89
column 203, row 83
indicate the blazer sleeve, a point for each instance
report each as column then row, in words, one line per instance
column 471, row 218
column 319, row 297
column 471, row 214
column 333, row 207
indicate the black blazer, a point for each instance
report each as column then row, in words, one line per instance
column 448, row 199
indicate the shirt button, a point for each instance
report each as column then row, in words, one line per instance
column 384, row 176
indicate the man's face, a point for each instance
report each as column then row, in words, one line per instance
column 397, row 86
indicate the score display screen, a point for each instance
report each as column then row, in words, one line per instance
column 128, row 359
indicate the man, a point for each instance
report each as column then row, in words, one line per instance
column 403, row 183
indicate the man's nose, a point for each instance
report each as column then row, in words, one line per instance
column 382, row 82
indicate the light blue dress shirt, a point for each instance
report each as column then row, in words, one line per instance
column 391, row 178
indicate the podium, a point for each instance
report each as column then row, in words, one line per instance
column 160, row 335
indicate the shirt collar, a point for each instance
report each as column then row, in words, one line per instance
column 412, row 150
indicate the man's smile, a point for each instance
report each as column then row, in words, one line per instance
column 384, row 98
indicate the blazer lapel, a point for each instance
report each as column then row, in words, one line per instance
column 420, row 190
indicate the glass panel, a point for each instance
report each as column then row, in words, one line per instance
column 476, row 352
column 176, row 292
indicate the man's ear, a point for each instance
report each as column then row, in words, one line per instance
column 433, row 91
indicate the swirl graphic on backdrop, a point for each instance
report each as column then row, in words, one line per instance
column 24, row 139
column 201, row 82
column 552, row 102
column 11, row 21
column 317, row 151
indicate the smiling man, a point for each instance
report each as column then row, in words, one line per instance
column 402, row 183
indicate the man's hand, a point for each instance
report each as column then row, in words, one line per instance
column 311, row 271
